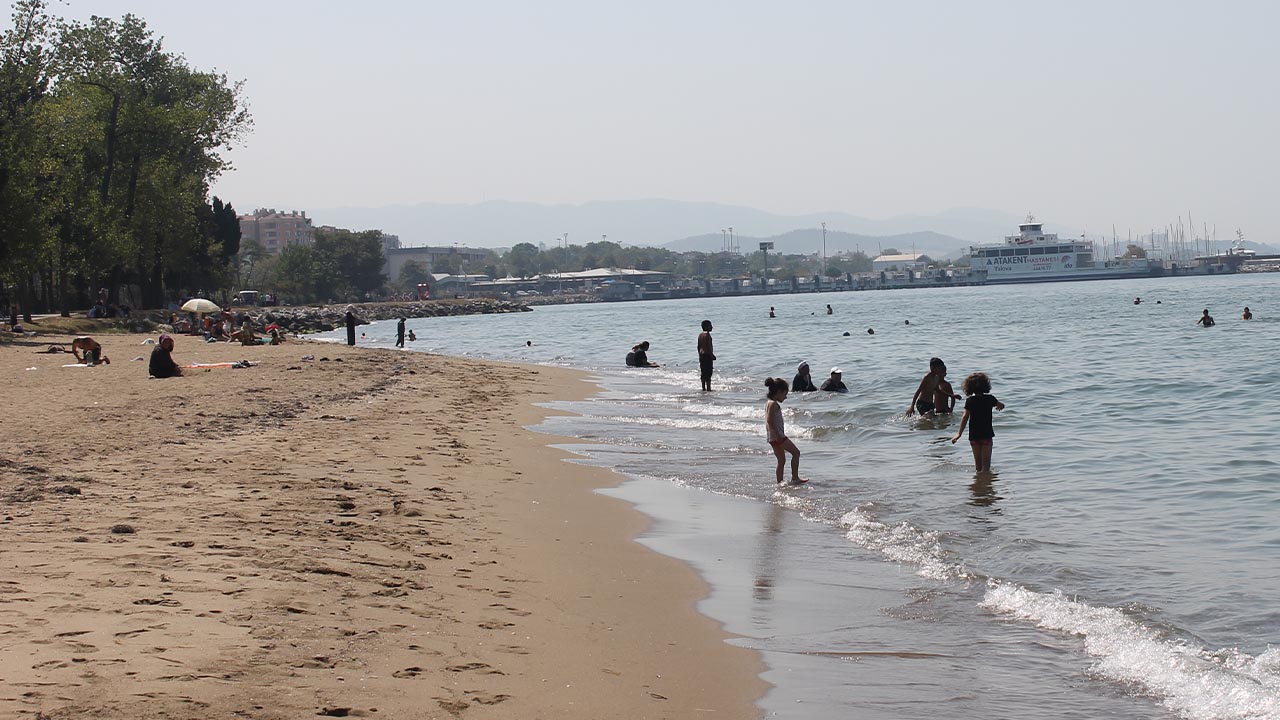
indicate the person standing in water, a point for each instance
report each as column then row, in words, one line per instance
column 400, row 333
column 1248, row 314
column 830, row 311
column 934, row 394
column 977, row 415
column 1206, row 319
column 775, row 430
column 706, row 356
column 771, row 313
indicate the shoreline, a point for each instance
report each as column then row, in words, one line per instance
column 366, row 537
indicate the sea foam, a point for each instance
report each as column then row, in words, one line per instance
column 1192, row 681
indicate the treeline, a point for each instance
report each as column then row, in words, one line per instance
column 108, row 146
column 526, row 260
column 340, row 265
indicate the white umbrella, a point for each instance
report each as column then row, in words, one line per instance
column 200, row 305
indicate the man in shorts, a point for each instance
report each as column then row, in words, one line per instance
column 706, row 358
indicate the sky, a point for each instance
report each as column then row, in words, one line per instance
column 1087, row 113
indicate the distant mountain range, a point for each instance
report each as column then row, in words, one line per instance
column 677, row 224
column 681, row 225
column 809, row 240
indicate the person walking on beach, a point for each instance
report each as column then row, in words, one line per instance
column 1206, row 319
column 776, row 432
column 977, row 415
column 934, row 394
column 803, row 381
column 400, row 333
column 351, row 325
column 706, row 356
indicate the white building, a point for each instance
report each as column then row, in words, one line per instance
column 906, row 261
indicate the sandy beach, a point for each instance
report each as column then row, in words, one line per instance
column 369, row 533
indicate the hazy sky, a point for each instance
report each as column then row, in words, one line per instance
column 1088, row 113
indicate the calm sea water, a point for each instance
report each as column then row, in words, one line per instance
column 1122, row 562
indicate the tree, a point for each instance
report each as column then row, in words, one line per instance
column 1135, row 251
column 522, row 259
column 356, row 260
column 412, row 274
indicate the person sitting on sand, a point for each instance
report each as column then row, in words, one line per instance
column 162, row 364
column 1248, row 314
column 803, row 382
column 244, row 334
column 91, row 349
column 639, row 356
column 1206, row 319
column 834, row 383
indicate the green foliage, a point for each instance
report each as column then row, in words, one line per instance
column 341, row 266
column 522, row 260
column 413, row 273
column 108, row 146
column 1135, row 251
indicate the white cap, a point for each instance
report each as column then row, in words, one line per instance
column 836, row 371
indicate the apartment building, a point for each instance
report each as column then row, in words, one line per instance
column 276, row 230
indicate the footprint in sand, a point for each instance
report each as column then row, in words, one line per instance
column 482, row 668
column 513, row 611
column 409, row 672
column 485, row 698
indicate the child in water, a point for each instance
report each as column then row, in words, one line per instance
column 977, row 415
column 775, row 431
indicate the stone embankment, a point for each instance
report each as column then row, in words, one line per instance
column 322, row 318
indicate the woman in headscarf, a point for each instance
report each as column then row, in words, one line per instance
column 162, row 364
column 803, row 382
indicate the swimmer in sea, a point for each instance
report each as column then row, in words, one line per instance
column 1248, row 314
column 1206, row 319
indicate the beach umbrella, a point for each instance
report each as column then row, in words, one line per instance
column 200, row 305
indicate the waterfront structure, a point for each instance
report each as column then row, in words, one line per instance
column 1036, row 256
column 276, row 230
column 436, row 258
column 901, row 261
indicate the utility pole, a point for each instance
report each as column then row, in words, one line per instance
column 823, row 271
column 765, row 247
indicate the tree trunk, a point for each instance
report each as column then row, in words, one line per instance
column 114, row 119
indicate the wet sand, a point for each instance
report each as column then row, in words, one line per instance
column 374, row 535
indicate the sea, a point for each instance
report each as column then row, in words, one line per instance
column 1122, row 560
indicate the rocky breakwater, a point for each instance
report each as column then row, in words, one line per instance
column 323, row 318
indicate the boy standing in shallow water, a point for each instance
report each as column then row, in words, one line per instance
column 977, row 415
column 706, row 356
column 776, row 432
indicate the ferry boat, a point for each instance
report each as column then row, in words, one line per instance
column 1036, row 256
